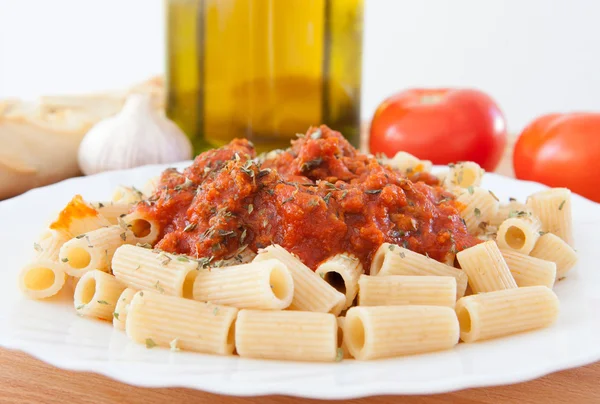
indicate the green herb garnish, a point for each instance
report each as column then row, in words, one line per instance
column 190, row 227
column 309, row 165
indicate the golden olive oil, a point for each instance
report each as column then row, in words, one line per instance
column 263, row 69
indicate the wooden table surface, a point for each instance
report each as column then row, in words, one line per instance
column 25, row 380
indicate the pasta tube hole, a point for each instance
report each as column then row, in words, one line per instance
column 140, row 227
column 356, row 333
column 515, row 238
column 464, row 318
column 279, row 283
column 78, row 258
column 39, row 278
column 336, row 280
column 467, row 178
column 88, row 290
column 188, row 284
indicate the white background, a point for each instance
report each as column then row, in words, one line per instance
column 532, row 56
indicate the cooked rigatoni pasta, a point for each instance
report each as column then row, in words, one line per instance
column 508, row 210
column 390, row 259
column 41, row 278
column 464, row 175
column 552, row 248
column 311, row 292
column 340, row 338
column 72, row 282
column 93, row 250
column 387, row 331
column 530, row 271
column 145, row 269
column 78, row 217
column 211, row 291
column 112, row 211
column 505, row 312
column 486, row 268
column 122, row 308
column 128, row 195
column 479, row 206
column 399, row 290
column 49, row 244
column 265, row 284
column 409, row 164
column 151, row 186
column 553, row 208
column 154, row 319
column 96, row 295
column 291, row 335
column 342, row 271
column 519, row 233
column 144, row 228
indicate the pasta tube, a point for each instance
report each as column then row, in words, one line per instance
column 552, row 248
column 144, row 228
column 510, row 210
column 112, row 211
column 144, row 269
column 486, row 268
column 340, row 338
column 151, row 186
column 96, row 295
column 407, row 164
column 479, row 206
column 553, row 208
column 41, row 278
column 78, row 217
column 465, row 174
column 530, row 271
column 49, row 244
column 505, row 312
column 93, row 250
column 399, row 290
column 72, row 282
column 168, row 321
column 122, row 307
column 311, row 292
column 388, row 331
column 128, row 195
column 342, row 271
column 390, row 259
column 290, row 335
column 266, row 284
column 519, row 234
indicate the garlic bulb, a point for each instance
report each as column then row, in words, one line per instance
column 136, row 136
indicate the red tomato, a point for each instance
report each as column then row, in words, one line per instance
column 561, row 150
column 441, row 125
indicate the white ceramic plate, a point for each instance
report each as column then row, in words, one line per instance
column 51, row 331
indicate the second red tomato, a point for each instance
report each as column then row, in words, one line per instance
column 441, row 125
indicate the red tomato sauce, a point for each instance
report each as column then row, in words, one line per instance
column 318, row 198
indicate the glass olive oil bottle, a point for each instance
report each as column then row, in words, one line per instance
column 263, row 69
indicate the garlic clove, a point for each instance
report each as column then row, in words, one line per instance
column 136, row 136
